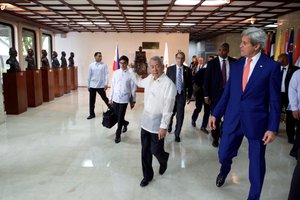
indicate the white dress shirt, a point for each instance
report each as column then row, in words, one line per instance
column 283, row 77
column 159, row 100
column 294, row 92
column 122, row 87
column 98, row 75
column 227, row 66
column 253, row 63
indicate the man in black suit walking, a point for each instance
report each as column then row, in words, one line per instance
column 287, row 72
column 181, row 76
column 216, row 76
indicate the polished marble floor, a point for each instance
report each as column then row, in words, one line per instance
column 52, row 152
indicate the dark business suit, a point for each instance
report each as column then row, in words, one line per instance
column 249, row 113
column 180, row 98
column 213, row 88
column 290, row 121
column 199, row 97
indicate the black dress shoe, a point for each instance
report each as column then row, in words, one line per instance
column 220, row 180
column 144, row 183
column 163, row 168
column 177, row 139
column 204, row 130
column 124, row 129
column 215, row 144
column 193, row 123
column 169, row 129
column 117, row 140
column 91, row 117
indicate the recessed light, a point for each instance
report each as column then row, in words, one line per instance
column 187, row 2
column 170, row 24
column 215, row 2
column 187, row 24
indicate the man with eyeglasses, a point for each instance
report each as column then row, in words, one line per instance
column 159, row 101
column 122, row 92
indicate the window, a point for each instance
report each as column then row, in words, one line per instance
column 47, row 45
column 28, row 42
column 6, row 42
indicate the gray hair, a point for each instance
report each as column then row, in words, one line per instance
column 157, row 58
column 257, row 36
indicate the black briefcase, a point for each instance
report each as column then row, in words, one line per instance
column 109, row 118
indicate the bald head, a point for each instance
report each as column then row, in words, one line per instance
column 283, row 59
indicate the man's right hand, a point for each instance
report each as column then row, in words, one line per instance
column 296, row 114
column 207, row 100
column 212, row 122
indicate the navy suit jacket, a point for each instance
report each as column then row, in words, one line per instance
column 257, row 109
column 213, row 81
column 187, row 79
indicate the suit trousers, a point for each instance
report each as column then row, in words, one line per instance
column 290, row 126
column 199, row 103
column 120, row 110
column 296, row 145
column 102, row 93
column 228, row 149
column 151, row 145
column 216, row 133
column 294, row 193
column 179, row 112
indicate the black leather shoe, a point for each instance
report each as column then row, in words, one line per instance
column 117, row 140
column 125, row 129
column 193, row 123
column 215, row 144
column 163, row 168
column 177, row 139
column 91, row 117
column 144, row 183
column 220, row 180
column 204, row 130
column 169, row 129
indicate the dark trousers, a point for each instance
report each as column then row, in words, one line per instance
column 151, row 145
column 102, row 93
column 120, row 110
column 290, row 126
column 216, row 133
column 199, row 103
column 228, row 149
column 295, row 184
column 179, row 112
column 296, row 145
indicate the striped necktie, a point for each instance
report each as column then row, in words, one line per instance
column 179, row 80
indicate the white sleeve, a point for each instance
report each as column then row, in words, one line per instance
column 293, row 93
column 106, row 74
column 113, row 80
column 169, row 101
column 140, row 82
column 89, row 76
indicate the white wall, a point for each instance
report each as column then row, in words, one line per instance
column 84, row 45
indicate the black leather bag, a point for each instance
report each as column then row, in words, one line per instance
column 109, row 118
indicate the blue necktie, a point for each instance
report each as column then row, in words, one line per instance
column 179, row 80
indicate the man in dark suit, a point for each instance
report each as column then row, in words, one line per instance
column 251, row 108
column 198, row 83
column 181, row 76
column 216, row 76
column 287, row 72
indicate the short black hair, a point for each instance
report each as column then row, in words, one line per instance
column 98, row 52
column 125, row 58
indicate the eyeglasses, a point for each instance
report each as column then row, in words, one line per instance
column 122, row 63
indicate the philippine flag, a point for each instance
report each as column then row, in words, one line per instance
column 116, row 59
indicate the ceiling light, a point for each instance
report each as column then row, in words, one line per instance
column 101, row 23
column 186, row 24
column 3, row 6
column 252, row 20
column 215, row 2
column 85, row 23
column 187, row 2
column 170, row 24
column 272, row 25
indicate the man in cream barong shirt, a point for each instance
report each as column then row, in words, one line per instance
column 159, row 101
